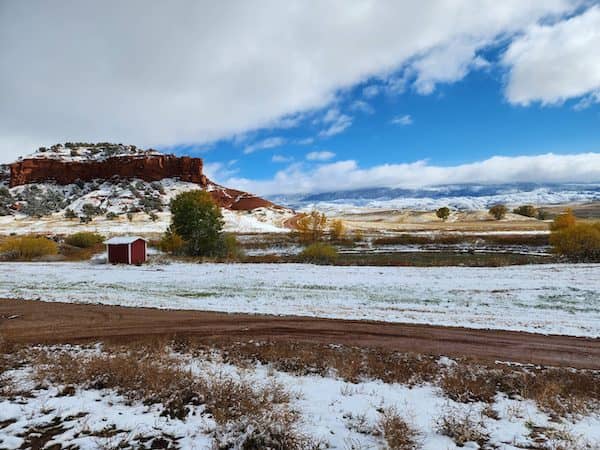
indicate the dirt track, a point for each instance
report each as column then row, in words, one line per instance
column 40, row 322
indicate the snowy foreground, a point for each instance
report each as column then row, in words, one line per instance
column 333, row 413
column 553, row 299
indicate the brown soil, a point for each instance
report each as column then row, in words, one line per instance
column 24, row 321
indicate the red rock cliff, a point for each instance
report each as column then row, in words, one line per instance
column 147, row 168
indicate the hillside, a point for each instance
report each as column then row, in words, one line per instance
column 117, row 188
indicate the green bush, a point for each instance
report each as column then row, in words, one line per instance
column 84, row 239
column 443, row 213
column 27, row 247
column 319, row 253
column 526, row 210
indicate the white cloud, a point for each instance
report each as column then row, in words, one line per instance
column 320, row 156
column 345, row 175
column 219, row 171
column 336, row 123
column 402, row 120
column 190, row 71
column 305, row 141
column 556, row 62
column 362, row 106
column 271, row 142
column 371, row 91
column 281, row 159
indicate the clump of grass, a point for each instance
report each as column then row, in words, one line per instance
column 469, row 384
column 462, row 427
column 396, row 432
column 27, row 247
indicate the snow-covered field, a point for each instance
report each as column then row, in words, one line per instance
column 332, row 412
column 555, row 299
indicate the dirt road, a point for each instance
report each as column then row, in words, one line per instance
column 39, row 322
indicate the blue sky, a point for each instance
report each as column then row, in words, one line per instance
column 314, row 95
column 466, row 121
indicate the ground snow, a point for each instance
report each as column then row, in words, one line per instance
column 553, row 299
column 339, row 414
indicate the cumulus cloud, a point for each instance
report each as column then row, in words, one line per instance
column 320, row 156
column 189, row 71
column 271, row 142
column 402, row 120
column 555, row 62
column 345, row 175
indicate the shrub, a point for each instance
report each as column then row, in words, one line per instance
column 111, row 216
column 397, row 433
column 337, row 229
column 171, row 242
column 90, row 210
column 319, row 253
column 311, row 226
column 443, row 213
column 28, row 247
column 70, row 214
column 498, row 211
column 462, row 427
column 578, row 242
column 231, row 247
column 564, row 220
column 84, row 239
column 526, row 210
column 198, row 220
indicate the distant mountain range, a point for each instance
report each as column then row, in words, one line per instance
column 458, row 196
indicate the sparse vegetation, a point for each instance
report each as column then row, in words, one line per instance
column 27, row 247
column 498, row 212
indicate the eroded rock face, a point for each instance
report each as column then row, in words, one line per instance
column 144, row 167
column 147, row 168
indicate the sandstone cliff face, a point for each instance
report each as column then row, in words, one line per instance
column 144, row 167
column 147, row 168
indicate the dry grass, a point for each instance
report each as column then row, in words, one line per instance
column 462, row 427
column 397, row 434
column 258, row 416
column 352, row 364
column 557, row 391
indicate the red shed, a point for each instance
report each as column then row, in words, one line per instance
column 126, row 250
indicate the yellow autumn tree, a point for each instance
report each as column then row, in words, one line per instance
column 312, row 226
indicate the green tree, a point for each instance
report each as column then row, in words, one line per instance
column 443, row 213
column 198, row 220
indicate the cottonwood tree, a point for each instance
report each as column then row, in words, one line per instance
column 443, row 213
column 498, row 211
column 311, row 226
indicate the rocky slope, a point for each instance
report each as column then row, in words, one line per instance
column 99, row 182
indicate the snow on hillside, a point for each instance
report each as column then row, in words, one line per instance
column 554, row 299
column 454, row 196
column 82, row 151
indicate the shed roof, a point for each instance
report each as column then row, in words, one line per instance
column 120, row 240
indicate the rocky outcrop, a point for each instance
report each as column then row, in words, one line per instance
column 147, row 168
column 144, row 167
